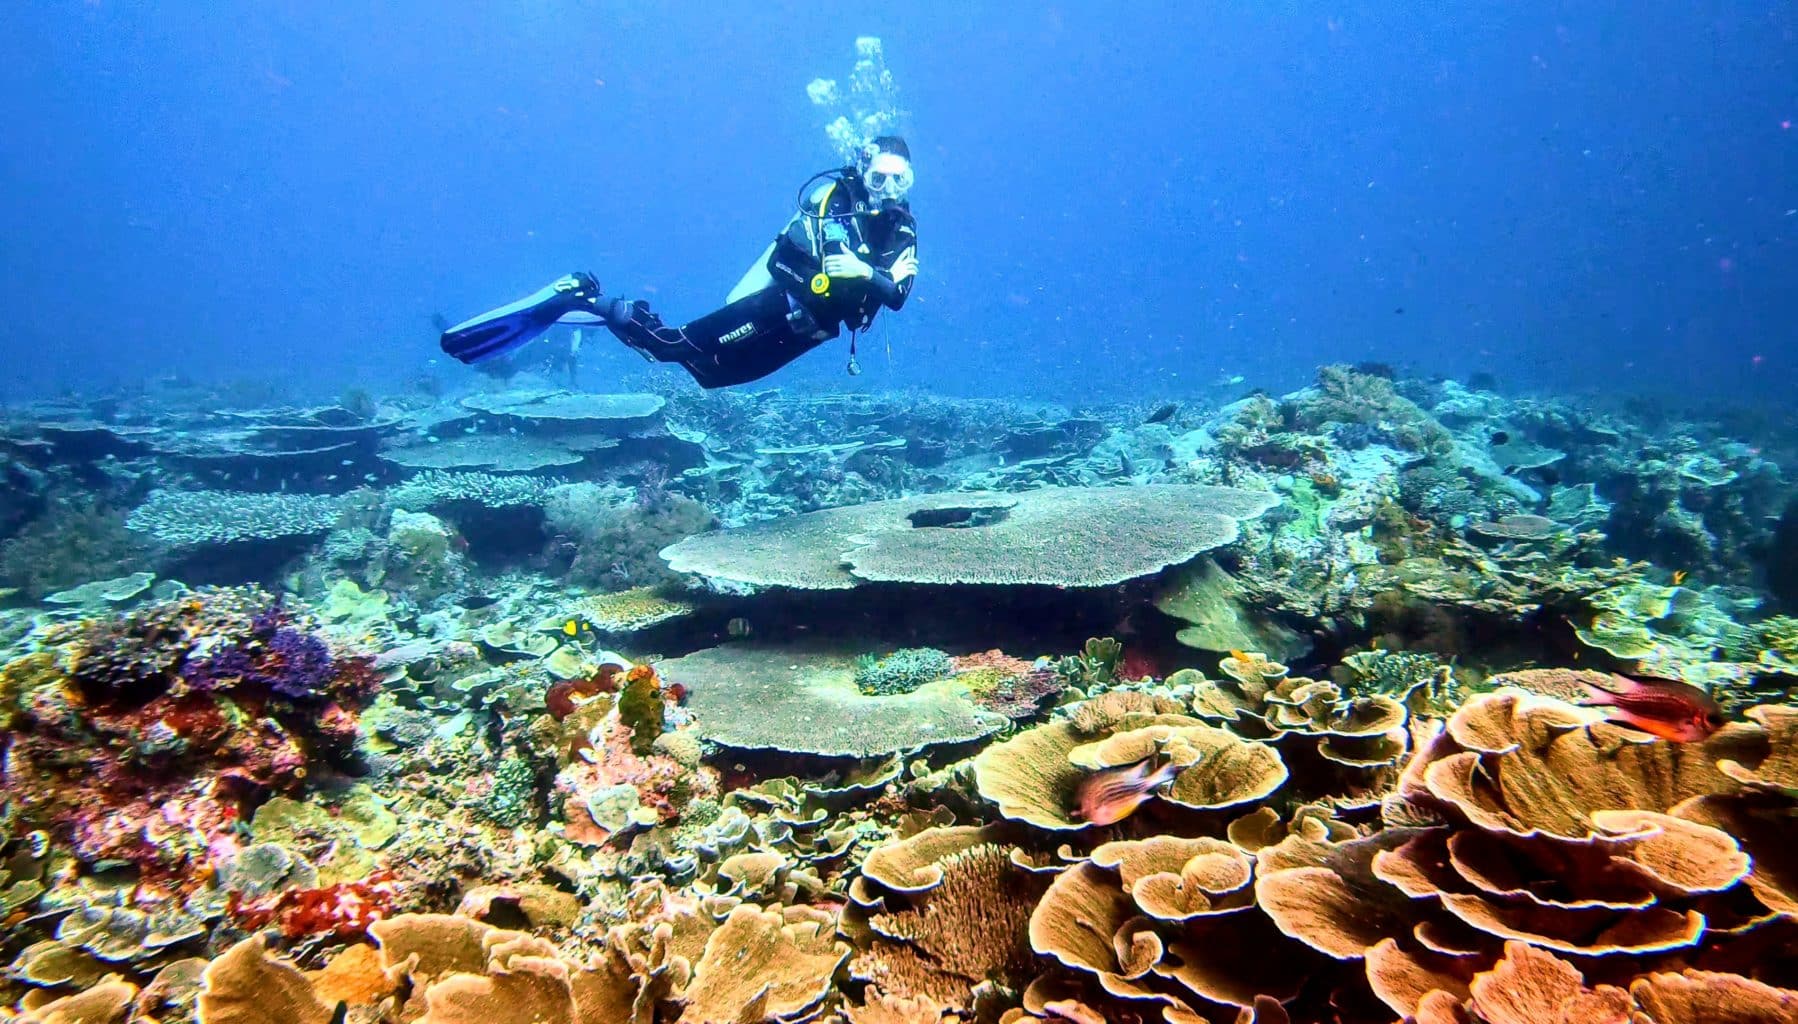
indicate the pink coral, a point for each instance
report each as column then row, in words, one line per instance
column 994, row 659
column 662, row 783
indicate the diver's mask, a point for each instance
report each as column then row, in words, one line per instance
column 888, row 178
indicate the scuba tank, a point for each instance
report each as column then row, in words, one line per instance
column 837, row 236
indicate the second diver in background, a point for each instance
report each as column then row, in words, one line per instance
column 850, row 250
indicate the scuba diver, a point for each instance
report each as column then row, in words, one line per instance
column 850, row 250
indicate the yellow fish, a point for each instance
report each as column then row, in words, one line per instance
column 571, row 627
column 1679, row 576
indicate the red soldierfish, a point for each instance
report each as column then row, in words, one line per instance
column 1109, row 796
column 1666, row 708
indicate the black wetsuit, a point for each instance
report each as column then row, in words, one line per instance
column 765, row 330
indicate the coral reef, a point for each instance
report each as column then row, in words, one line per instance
column 144, row 739
column 514, row 746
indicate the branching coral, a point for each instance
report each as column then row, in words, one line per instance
column 902, row 671
column 71, row 542
column 186, row 518
column 617, row 536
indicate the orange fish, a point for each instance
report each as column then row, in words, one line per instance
column 1666, row 708
column 1109, row 796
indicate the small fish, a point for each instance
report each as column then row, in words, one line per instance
column 1501, row 437
column 1109, row 796
column 739, row 627
column 1679, row 577
column 1163, row 414
column 1666, row 708
column 474, row 602
column 571, row 628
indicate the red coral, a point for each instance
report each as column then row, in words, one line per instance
column 565, row 697
column 608, row 759
column 342, row 911
column 1137, row 664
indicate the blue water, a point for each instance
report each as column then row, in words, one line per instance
column 1571, row 196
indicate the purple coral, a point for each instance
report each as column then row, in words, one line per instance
column 288, row 662
column 223, row 670
column 301, row 665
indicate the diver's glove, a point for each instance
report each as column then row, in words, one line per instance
column 494, row 333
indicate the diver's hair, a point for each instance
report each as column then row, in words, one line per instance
column 893, row 144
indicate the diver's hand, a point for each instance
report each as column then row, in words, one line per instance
column 903, row 267
column 847, row 266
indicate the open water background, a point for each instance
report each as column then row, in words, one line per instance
column 1114, row 199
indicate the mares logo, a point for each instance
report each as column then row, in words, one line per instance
column 738, row 335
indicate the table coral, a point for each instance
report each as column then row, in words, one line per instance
column 806, row 701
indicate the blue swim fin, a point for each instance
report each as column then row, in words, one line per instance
column 496, row 332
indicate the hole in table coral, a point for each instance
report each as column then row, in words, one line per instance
column 957, row 517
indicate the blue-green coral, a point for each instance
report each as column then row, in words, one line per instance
column 902, row 671
column 512, row 801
